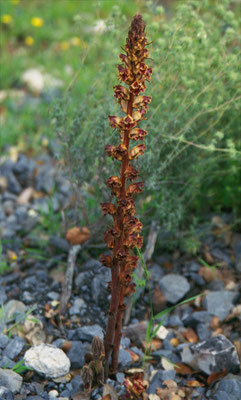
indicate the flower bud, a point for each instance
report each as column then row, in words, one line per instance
column 108, row 208
column 114, row 121
column 141, row 101
column 137, row 151
column 121, row 92
column 134, row 188
column 98, row 349
column 137, row 134
column 106, row 260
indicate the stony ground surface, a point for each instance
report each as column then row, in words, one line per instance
column 194, row 355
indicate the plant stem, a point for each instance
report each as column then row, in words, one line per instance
column 114, row 324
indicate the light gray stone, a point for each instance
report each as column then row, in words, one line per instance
column 212, row 355
column 14, row 307
column 174, row 287
column 231, row 385
column 47, row 360
column 219, row 303
column 5, row 394
column 77, row 306
column 14, row 347
column 10, row 380
column 87, row 333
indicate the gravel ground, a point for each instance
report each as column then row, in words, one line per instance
column 194, row 355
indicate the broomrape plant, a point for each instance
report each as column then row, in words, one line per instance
column 124, row 235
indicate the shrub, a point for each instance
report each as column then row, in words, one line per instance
column 193, row 153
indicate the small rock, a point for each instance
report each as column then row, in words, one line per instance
column 124, row 359
column 47, row 360
column 34, row 79
column 87, row 333
column 14, row 347
column 96, row 287
column 174, row 287
column 53, row 394
column 195, row 318
column 203, row 331
column 5, row 394
column 14, row 307
column 3, row 296
column 59, row 243
column 76, row 354
column 156, row 272
column 158, row 378
column 120, row 377
column 219, row 303
column 162, row 333
column 237, row 253
column 221, row 256
column 53, row 296
column 3, row 341
column 10, row 380
column 230, row 385
column 212, row 355
column 77, row 306
column 6, row 362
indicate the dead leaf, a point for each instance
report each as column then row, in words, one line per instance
column 167, row 364
column 207, row 255
column 108, row 390
column 194, row 384
column 183, row 369
column 3, row 183
column 190, row 335
column 209, row 274
column 25, row 196
column 170, row 384
column 175, row 397
column 155, row 344
column 214, row 376
column 107, row 397
column 66, row 346
column 159, row 300
column 181, row 393
column 81, row 396
column 134, row 357
column 168, row 265
column 237, row 344
column 77, row 236
column 153, row 397
column 214, row 324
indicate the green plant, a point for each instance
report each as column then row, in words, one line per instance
column 19, row 367
column 192, row 161
column 17, row 324
column 124, row 235
column 3, row 265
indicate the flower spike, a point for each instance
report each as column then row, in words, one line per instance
column 124, row 235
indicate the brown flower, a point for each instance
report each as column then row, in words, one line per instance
column 137, row 151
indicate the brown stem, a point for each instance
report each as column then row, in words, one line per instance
column 114, row 303
column 119, row 318
column 113, row 330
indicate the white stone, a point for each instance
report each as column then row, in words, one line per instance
column 53, row 394
column 47, row 360
column 34, row 79
column 162, row 332
column 38, row 81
